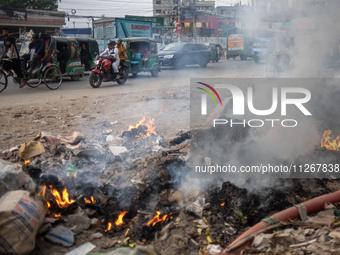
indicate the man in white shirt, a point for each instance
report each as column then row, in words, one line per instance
column 112, row 52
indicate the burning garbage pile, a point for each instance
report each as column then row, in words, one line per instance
column 132, row 190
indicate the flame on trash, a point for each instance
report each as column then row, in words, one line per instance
column 156, row 219
column 119, row 221
column 62, row 201
column 109, row 226
column 147, row 122
column 27, row 161
column 328, row 144
column 87, row 201
column 57, row 215
column 43, row 191
column 222, row 204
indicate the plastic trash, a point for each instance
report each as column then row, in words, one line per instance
column 61, row 235
column 81, row 250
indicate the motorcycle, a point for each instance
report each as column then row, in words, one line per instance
column 104, row 72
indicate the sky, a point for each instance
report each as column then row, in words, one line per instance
column 114, row 8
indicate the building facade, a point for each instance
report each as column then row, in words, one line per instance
column 206, row 6
column 165, row 9
column 24, row 20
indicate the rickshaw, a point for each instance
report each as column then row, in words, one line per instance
column 74, row 68
column 142, row 55
column 91, row 45
column 47, row 69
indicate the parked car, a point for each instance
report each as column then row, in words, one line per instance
column 261, row 49
column 178, row 55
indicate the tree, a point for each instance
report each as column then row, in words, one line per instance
column 51, row 5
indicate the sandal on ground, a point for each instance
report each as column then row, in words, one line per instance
column 22, row 85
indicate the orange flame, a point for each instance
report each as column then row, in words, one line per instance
column 222, row 204
column 161, row 110
column 43, row 191
column 64, row 201
column 119, row 221
column 27, row 161
column 149, row 123
column 109, row 226
column 328, row 144
column 57, row 215
column 48, row 204
column 87, row 201
column 156, row 219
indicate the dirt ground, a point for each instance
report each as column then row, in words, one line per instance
column 92, row 113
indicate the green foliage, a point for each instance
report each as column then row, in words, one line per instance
column 51, row 5
column 239, row 215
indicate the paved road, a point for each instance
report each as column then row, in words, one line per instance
column 231, row 68
column 24, row 110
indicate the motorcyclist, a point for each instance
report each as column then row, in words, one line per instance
column 112, row 53
column 121, row 51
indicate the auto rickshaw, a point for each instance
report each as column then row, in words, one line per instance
column 142, row 55
column 74, row 68
column 92, row 47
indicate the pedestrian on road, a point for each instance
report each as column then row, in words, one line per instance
column 12, row 56
column 85, row 57
column 63, row 56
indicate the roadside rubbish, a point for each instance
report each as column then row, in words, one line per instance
column 13, row 178
column 21, row 216
column 116, row 150
column 81, row 250
column 53, row 138
column 214, row 249
column 31, row 149
column 139, row 250
column 61, row 235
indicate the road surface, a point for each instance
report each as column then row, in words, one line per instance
column 76, row 106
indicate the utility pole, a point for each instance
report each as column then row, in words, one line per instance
column 92, row 27
column 194, row 21
column 88, row 27
column 74, row 28
column 179, row 13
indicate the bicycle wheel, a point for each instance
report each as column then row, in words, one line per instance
column 270, row 70
column 53, row 77
column 34, row 80
column 3, row 80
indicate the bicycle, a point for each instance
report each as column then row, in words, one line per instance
column 49, row 73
